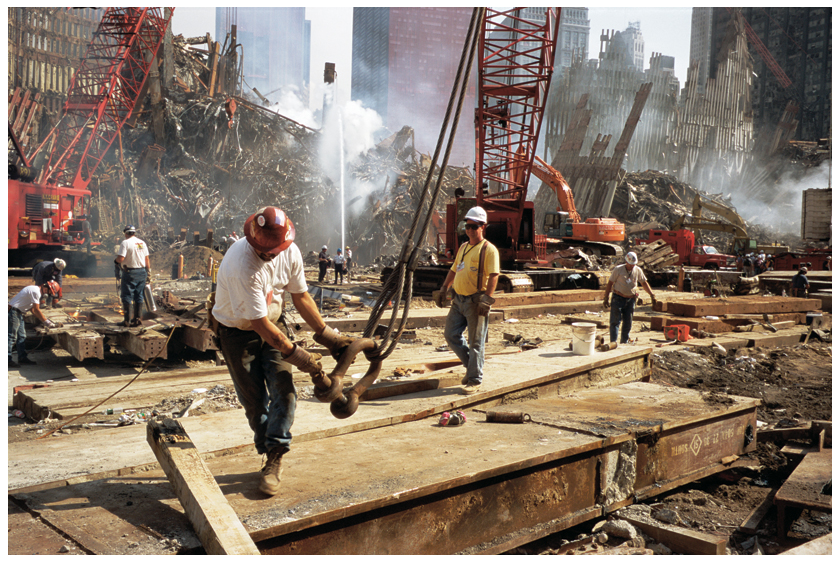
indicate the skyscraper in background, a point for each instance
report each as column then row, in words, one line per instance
column 404, row 61
column 574, row 30
column 627, row 47
column 798, row 41
column 275, row 47
column 700, row 43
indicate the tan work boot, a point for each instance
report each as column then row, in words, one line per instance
column 271, row 473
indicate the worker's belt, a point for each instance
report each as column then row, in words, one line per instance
column 134, row 268
column 626, row 297
column 18, row 310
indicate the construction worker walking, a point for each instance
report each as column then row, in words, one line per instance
column 474, row 276
column 248, row 318
column 624, row 281
column 133, row 270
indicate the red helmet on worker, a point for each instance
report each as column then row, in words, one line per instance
column 50, row 288
column 269, row 230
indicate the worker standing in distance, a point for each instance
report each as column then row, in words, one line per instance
column 134, row 269
column 252, row 280
column 27, row 299
column 800, row 283
column 474, row 276
column 46, row 271
column 340, row 266
column 624, row 281
column 348, row 264
column 323, row 260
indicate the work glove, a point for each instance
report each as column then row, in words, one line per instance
column 605, row 303
column 49, row 323
column 334, row 341
column 484, row 305
column 443, row 298
column 307, row 362
column 654, row 300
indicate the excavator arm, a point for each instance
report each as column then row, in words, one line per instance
column 552, row 177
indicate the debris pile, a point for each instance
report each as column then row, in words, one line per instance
column 219, row 159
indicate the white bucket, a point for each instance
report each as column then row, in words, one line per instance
column 584, row 335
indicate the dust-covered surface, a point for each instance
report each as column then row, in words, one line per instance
column 793, row 382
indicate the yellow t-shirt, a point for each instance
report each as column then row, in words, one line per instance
column 465, row 281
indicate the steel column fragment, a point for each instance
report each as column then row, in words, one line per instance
column 145, row 345
column 82, row 344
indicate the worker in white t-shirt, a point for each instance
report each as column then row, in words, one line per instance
column 252, row 280
column 27, row 299
column 134, row 268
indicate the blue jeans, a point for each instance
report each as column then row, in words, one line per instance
column 264, row 386
column 133, row 285
column 463, row 314
column 622, row 309
column 17, row 333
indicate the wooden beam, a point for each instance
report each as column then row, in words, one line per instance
column 679, row 540
column 214, row 520
column 751, row 522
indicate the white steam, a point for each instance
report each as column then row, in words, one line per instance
column 291, row 106
column 783, row 210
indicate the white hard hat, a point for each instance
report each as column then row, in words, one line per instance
column 631, row 258
column 477, row 214
column 325, row 247
column 59, row 264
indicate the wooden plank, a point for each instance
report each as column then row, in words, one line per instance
column 741, row 305
column 679, row 540
column 546, row 297
column 751, row 522
column 214, row 520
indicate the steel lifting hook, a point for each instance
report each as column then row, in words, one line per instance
column 329, row 388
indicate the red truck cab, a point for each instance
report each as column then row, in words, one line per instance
column 683, row 243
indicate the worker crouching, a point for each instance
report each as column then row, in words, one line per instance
column 247, row 316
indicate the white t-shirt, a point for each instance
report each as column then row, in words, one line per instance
column 26, row 298
column 339, row 259
column 349, row 254
column 134, row 250
column 244, row 282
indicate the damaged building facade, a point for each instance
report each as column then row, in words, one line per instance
column 707, row 134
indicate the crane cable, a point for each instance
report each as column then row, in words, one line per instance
column 402, row 274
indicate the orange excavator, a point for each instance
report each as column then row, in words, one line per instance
column 599, row 235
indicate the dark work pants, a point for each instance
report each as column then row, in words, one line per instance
column 622, row 310
column 264, row 386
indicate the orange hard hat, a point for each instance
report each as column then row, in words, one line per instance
column 269, row 230
column 51, row 288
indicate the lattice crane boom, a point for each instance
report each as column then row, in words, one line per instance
column 104, row 92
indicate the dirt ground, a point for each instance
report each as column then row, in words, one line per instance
column 795, row 384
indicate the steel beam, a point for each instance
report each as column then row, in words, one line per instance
column 146, row 345
column 82, row 344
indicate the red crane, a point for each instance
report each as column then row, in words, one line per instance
column 517, row 51
column 49, row 214
column 769, row 60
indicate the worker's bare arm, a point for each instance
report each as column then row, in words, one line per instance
column 491, row 283
column 308, row 310
column 272, row 335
